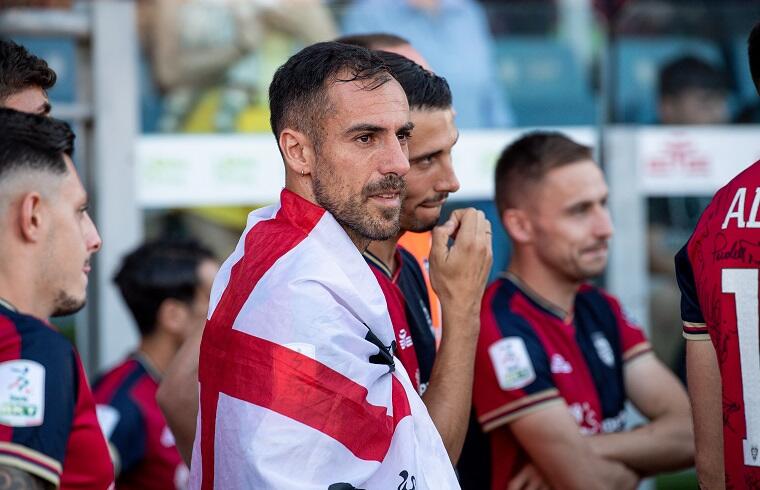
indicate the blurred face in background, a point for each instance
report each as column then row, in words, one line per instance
column 694, row 106
column 431, row 176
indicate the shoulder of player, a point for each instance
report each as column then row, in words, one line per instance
column 497, row 311
column 31, row 338
column 115, row 387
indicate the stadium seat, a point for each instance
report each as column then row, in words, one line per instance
column 638, row 62
column 545, row 82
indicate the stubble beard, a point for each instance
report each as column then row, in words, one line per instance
column 353, row 212
column 65, row 304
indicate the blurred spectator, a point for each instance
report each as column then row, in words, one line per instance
column 213, row 60
column 453, row 36
column 692, row 91
column 24, row 80
column 166, row 285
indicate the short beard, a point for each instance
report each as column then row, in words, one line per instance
column 66, row 305
column 351, row 213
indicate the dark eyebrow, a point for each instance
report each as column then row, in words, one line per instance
column 406, row 128
column 364, row 128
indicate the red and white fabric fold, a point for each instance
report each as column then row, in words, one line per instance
column 298, row 389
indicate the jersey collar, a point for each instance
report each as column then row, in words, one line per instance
column 375, row 260
column 564, row 316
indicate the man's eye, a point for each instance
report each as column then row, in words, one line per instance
column 365, row 138
column 403, row 136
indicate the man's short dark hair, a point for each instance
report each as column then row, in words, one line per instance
column 375, row 40
column 689, row 72
column 19, row 70
column 529, row 159
column 753, row 50
column 157, row 271
column 32, row 142
column 424, row 89
column 298, row 92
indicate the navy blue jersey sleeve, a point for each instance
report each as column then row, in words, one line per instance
column 125, row 428
column 38, row 393
column 512, row 373
column 694, row 327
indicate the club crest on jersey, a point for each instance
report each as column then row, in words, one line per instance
column 603, row 349
column 22, row 393
column 511, row 363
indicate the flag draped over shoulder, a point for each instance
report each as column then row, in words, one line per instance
column 298, row 385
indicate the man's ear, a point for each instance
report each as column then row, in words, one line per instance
column 30, row 216
column 297, row 150
column 518, row 225
column 172, row 316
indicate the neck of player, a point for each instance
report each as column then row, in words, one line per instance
column 159, row 348
column 385, row 250
column 552, row 286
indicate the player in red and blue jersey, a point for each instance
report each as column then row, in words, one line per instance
column 49, row 434
column 718, row 273
column 557, row 358
column 166, row 285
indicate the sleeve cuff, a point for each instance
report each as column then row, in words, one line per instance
column 636, row 351
column 519, row 408
column 31, row 461
column 695, row 331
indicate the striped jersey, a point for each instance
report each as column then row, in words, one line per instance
column 531, row 355
column 143, row 447
column 48, row 426
column 717, row 273
column 409, row 308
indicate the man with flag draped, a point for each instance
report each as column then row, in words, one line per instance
column 299, row 387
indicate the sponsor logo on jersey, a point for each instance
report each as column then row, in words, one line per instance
column 588, row 420
column 404, row 339
column 22, row 393
column 511, row 363
column 559, row 365
column 603, row 349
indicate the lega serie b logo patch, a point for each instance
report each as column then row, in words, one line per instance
column 511, row 363
column 22, row 393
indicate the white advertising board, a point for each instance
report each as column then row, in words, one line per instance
column 243, row 169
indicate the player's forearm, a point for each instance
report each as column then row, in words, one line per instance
column 179, row 403
column 15, row 479
column 665, row 444
column 448, row 397
column 589, row 472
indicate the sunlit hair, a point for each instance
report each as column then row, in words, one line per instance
column 298, row 92
column 529, row 159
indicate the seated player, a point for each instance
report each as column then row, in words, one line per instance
column 166, row 285
column 557, row 358
column 49, row 434
column 717, row 272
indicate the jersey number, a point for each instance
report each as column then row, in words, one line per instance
column 743, row 284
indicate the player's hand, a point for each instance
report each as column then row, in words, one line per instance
column 528, row 478
column 459, row 273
